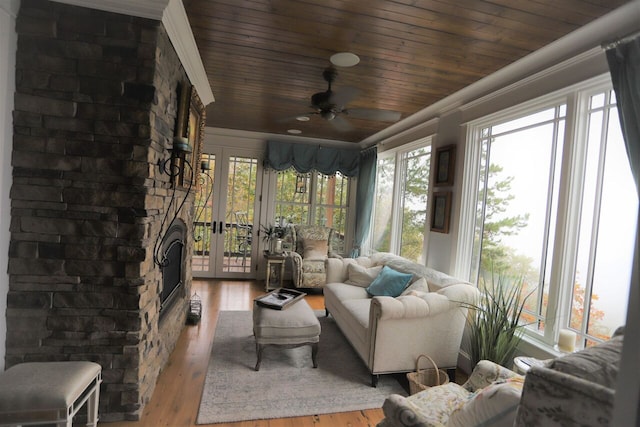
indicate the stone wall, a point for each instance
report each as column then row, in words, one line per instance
column 95, row 109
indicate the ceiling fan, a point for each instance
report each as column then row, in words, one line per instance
column 331, row 105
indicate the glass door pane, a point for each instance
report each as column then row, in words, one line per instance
column 224, row 226
column 239, row 253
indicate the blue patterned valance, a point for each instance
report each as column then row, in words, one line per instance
column 305, row 158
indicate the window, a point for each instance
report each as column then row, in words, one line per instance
column 400, row 211
column 517, row 193
column 313, row 198
column 606, row 234
column 384, row 197
column 555, row 206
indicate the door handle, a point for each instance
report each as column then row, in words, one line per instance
column 213, row 229
column 221, row 225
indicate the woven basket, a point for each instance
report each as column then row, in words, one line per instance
column 422, row 379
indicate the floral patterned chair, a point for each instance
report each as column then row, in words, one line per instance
column 577, row 389
column 489, row 397
column 310, row 250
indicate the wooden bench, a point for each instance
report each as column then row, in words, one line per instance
column 49, row 393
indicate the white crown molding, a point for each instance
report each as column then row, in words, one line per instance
column 176, row 23
column 262, row 136
column 10, row 7
column 406, row 136
column 175, row 20
column 614, row 25
column 152, row 9
column 542, row 75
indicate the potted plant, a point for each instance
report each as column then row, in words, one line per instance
column 273, row 234
column 494, row 325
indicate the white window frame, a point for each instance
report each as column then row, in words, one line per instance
column 569, row 201
column 271, row 198
column 399, row 154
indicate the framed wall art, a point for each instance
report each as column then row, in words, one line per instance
column 445, row 162
column 441, row 211
column 195, row 133
column 189, row 134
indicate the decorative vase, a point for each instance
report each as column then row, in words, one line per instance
column 275, row 246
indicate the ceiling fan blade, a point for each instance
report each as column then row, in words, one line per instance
column 375, row 115
column 341, row 124
column 344, row 95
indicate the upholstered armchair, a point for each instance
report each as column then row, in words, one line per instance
column 577, row 389
column 309, row 253
column 489, row 397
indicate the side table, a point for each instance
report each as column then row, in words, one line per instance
column 275, row 270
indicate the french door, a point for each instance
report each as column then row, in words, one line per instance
column 226, row 214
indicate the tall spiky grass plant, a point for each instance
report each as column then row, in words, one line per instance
column 495, row 329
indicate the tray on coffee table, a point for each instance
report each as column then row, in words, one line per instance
column 280, row 298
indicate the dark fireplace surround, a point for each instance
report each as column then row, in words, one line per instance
column 172, row 264
column 95, row 111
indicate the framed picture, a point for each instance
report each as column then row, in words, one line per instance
column 190, row 127
column 445, row 165
column 195, row 135
column 441, row 211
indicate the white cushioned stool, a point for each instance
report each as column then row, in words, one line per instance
column 294, row 326
column 49, row 392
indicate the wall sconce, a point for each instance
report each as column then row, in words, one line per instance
column 175, row 166
column 301, row 184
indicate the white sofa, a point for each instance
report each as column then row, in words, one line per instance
column 389, row 333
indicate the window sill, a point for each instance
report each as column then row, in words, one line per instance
column 533, row 347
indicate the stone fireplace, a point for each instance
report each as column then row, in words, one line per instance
column 95, row 109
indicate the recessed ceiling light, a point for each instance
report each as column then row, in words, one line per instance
column 344, row 59
column 294, row 131
column 302, row 118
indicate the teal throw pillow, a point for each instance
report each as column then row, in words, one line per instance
column 389, row 283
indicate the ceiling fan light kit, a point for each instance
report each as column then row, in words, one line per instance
column 344, row 59
column 331, row 106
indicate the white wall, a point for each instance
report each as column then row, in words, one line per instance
column 8, row 12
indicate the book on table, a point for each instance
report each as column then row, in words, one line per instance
column 280, row 298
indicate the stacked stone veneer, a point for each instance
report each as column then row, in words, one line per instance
column 95, row 110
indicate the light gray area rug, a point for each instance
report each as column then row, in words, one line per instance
column 287, row 385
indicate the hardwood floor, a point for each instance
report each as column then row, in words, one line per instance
column 177, row 394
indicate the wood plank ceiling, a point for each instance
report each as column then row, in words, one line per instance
column 265, row 58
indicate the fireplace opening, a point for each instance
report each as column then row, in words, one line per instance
column 172, row 264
